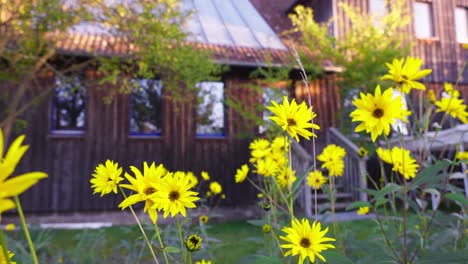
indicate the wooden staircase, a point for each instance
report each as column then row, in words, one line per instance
column 347, row 187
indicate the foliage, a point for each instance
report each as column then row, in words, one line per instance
column 361, row 52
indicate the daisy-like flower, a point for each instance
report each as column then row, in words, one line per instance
column 174, row 196
column 191, row 178
column 280, row 144
column 193, row 242
column 14, row 186
column 315, row 179
column 203, row 219
column 452, row 105
column 362, row 152
column 377, row 112
column 106, row 178
column 145, row 185
column 401, row 160
column 285, row 177
column 266, row 167
column 215, row 187
column 363, row 210
column 203, row 261
column 3, row 258
column 205, row 176
column 259, row 148
column 406, row 73
column 293, row 118
column 305, row 240
column 332, row 158
column 241, row 173
column 10, row 227
column 461, row 155
column 266, row 228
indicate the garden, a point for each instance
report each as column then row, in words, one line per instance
column 412, row 207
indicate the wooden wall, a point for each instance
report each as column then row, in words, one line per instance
column 441, row 53
column 70, row 160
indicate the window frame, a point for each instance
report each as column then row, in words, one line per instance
column 224, row 132
column 457, row 38
column 134, row 134
column 64, row 132
column 432, row 29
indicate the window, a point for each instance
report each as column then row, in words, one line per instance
column 146, row 107
column 268, row 95
column 210, row 109
column 68, row 107
column 423, row 20
column 461, row 21
column 377, row 9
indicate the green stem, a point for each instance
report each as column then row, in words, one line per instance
column 190, row 257
column 181, row 239
column 161, row 244
column 4, row 248
column 26, row 230
column 141, row 228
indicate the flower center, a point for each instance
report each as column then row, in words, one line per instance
column 174, row 195
column 305, row 243
column 291, row 122
column 149, row 191
column 194, row 240
column 378, row 113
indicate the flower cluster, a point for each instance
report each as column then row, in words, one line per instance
column 401, row 160
column 451, row 104
column 332, row 157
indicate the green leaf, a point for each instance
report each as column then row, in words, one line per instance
column 458, row 198
column 335, row 257
column 445, row 257
column 389, row 188
column 428, row 174
column 381, row 201
column 432, row 191
column 357, row 205
column 172, row 250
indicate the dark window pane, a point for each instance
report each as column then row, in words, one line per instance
column 210, row 110
column 68, row 110
column 146, row 103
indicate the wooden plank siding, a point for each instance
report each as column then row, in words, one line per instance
column 442, row 53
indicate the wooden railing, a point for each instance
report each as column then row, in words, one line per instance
column 301, row 161
column 354, row 178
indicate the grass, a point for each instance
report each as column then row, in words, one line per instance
column 228, row 242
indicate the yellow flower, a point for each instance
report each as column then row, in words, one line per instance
column 285, row 177
column 259, row 195
column 431, row 96
column 452, row 105
column 190, row 177
column 174, row 196
column 208, row 194
column 203, row 219
column 305, row 240
column 10, row 227
column 259, row 148
column 106, row 178
column 215, row 187
column 223, row 196
column 316, row 179
column 193, row 242
column 406, row 74
column 14, row 186
column 362, row 152
column 378, row 112
column 401, row 160
column 3, row 259
column 363, row 210
column 332, row 158
column 203, row 262
column 241, row 173
column 266, row 228
column 145, row 185
column 462, row 155
column 280, row 144
column 294, row 119
column 266, row 167
column 205, row 176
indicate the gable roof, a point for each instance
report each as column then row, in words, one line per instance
column 232, row 30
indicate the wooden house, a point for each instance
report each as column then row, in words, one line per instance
column 73, row 130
